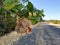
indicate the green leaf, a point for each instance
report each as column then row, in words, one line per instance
column 8, row 4
column 13, row 15
column 26, row 15
column 1, row 11
column 30, row 6
column 19, row 7
column 16, row 8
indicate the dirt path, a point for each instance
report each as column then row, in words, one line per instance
column 51, row 34
column 35, row 38
column 42, row 34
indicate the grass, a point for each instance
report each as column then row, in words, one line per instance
column 55, row 21
column 9, row 38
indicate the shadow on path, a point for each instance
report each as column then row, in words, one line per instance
column 29, row 39
column 55, row 29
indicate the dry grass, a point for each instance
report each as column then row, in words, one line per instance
column 9, row 38
column 55, row 21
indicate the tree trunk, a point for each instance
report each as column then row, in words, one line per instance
column 18, row 24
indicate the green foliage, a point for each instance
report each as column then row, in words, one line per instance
column 8, row 24
column 11, row 22
column 1, row 11
column 16, row 8
column 12, row 7
column 41, row 13
column 25, row 13
column 8, row 4
column 2, row 25
column 34, row 19
column 33, row 22
column 30, row 6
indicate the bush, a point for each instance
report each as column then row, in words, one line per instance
column 6, row 25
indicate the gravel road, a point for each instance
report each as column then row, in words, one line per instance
column 51, row 34
column 42, row 34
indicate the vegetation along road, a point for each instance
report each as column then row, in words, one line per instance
column 42, row 34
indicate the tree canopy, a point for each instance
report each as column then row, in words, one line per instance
column 10, row 9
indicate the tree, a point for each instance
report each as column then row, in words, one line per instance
column 38, row 16
column 13, row 10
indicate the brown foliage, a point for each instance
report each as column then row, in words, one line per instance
column 23, row 26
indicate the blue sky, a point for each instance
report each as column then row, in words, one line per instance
column 51, row 8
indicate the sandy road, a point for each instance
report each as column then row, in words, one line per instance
column 42, row 34
column 51, row 34
column 31, row 39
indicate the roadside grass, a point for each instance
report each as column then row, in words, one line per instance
column 54, row 21
column 9, row 38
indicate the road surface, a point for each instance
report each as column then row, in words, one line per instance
column 42, row 34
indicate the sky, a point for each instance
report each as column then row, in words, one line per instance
column 51, row 8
